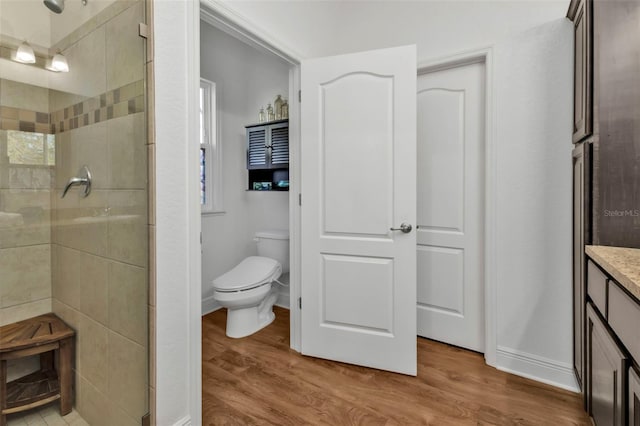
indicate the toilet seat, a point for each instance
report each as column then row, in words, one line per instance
column 252, row 272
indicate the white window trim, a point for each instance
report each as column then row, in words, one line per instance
column 213, row 152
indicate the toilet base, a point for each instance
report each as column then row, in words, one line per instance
column 242, row 322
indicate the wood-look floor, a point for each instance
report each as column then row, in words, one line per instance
column 259, row 380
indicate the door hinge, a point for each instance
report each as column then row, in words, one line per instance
column 299, row 199
column 299, row 95
column 143, row 30
column 300, row 302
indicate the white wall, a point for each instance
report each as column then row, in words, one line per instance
column 178, row 330
column 532, row 90
column 439, row 28
column 533, row 263
column 246, row 79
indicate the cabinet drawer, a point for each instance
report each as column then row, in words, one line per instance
column 624, row 319
column 597, row 287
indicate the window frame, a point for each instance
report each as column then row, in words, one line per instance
column 213, row 153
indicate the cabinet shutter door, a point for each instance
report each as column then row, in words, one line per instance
column 256, row 154
column 280, row 146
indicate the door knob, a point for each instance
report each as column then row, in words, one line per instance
column 404, row 227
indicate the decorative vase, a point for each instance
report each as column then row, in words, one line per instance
column 270, row 114
column 277, row 107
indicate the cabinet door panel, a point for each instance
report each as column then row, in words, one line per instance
column 579, row 298
column 257, row 141
column 634, row 398
column 582, row 72
column 268, row 146
column 606, row 374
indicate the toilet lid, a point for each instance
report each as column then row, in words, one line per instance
column 252, row 272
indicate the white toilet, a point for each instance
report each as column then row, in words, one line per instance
column 248, row 290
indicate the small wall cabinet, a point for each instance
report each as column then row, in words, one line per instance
column 268, row 156
column 606, row 373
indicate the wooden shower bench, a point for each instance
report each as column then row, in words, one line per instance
column 48, row 336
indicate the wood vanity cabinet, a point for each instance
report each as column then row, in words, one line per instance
column 634, row 398
column 611, row 385
column 580, row 14
column 606, row 176
column 607, row 371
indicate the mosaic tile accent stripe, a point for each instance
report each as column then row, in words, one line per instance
column 115, row 103
column 128, row 99
column 24, row 120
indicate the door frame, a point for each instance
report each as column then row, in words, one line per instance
column 485, row 56
column 223, row 18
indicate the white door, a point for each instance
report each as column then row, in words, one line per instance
column 358, row 181
column 450, row 206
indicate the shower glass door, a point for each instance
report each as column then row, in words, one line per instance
column 83, row 256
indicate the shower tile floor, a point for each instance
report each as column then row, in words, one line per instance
column 47, row 415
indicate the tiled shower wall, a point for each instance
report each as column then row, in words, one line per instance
column 25, row 215
column 99, row 244
column 25, row 210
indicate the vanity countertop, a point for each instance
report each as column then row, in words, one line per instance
column 621, row 263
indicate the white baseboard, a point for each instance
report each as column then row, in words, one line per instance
column 537, row 368
column 283, row 299
column 185, row 421
column 209, row 305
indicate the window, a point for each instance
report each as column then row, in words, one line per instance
column 210, row 154
column 32, row 149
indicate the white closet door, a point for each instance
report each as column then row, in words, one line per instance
column 359, row 181
column 451, row 206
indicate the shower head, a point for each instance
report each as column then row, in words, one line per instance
column 56, row 6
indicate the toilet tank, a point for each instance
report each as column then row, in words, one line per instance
column 274, row 244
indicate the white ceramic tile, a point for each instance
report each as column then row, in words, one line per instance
column 24, row 311
column 127, row 157
column 128, row 385
column 128, row 240
column 128, row 301
column 86, row 58
column 125, row 48
column 26, row 274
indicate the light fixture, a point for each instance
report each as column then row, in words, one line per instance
column 58, row 63
column 25, row 54
column 56, row 6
